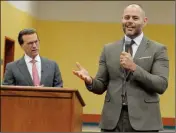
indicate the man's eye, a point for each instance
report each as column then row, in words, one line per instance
column 135, row 18
column 30, row 43
column 127, row 18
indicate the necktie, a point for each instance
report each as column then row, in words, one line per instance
column 130, row 50
column 35, row 75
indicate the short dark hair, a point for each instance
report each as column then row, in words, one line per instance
column 27, row 31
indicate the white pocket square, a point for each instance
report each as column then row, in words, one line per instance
column 146, row 57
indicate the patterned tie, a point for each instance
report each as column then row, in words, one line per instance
column 35, row 75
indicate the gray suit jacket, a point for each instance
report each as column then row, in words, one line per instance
column 149, row 80
column 17, row 73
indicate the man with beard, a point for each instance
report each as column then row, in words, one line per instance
column 32, row 69
column 133, row 72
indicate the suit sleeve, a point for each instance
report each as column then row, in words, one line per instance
column 157, row 79
column 100, row 82
column 57, row 81
column 8, row 76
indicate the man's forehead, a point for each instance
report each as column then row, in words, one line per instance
column 30, row 37
column 132, row 13
column 134, row 9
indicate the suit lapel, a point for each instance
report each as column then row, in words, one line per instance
column 24, row 70
column 141, row 49
column 44, row 68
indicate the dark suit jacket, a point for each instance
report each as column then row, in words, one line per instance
column 17, row 73
column 149, row 80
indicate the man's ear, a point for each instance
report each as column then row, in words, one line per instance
column 22, row 46
column 145, row 21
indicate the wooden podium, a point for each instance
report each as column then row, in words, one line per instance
column 40, row 109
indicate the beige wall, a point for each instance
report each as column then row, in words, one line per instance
column 158, row 12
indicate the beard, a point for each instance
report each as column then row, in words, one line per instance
column 132, row 31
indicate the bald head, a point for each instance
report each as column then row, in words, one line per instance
column 137, row 8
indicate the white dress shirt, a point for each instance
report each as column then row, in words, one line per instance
column 137, row 41
column 29, row 64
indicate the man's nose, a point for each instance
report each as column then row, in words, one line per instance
column 130, row 20
column 34, row 45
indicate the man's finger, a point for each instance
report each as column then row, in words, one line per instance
column 121, row 56
column 79, row 66
column 124, row 53
column 82, row 77
column 77, row 74
column 74, row 72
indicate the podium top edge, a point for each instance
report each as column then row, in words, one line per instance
column 27, row 88
column 42, row 89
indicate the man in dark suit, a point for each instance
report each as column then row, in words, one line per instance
column 133, row 75
column 32, row 69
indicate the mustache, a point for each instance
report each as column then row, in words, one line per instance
column 129, row 25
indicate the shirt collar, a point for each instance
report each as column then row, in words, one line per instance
column 137, row 40
column 28, row 59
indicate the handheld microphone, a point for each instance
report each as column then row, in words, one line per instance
column 127, row 46
column 126, row 72
column 127, row 49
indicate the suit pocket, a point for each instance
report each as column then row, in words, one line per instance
column 107, row 97
column 145, row 63
column 152, row 98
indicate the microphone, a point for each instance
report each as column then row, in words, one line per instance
column 126, row 72
column 127, row 46
column 128, row 49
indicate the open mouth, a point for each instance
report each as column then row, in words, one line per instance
column 130, row 28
